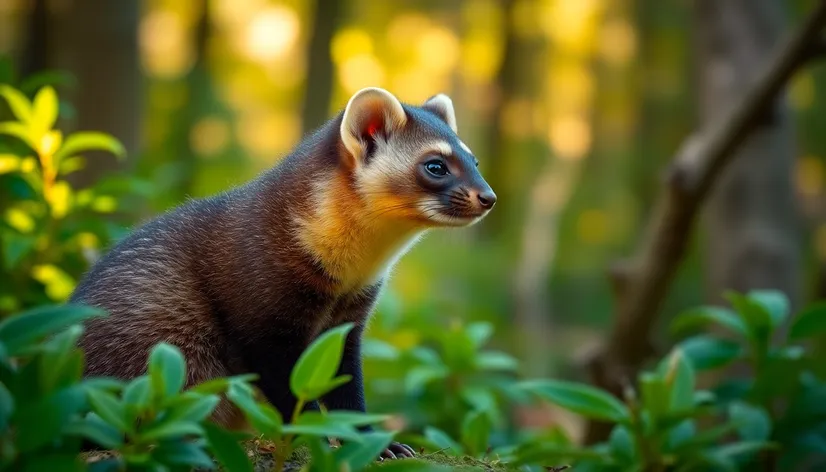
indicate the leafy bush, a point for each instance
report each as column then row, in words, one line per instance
column 776, row 414
column 150, row 423
column 49, row 230
column 449, row 385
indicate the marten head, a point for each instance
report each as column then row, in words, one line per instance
column 407, row 162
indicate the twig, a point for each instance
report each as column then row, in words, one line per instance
column 641, row 284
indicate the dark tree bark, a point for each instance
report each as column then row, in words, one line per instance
column 320, row 71
column 35, row 56
column 751, row 218
column 97, row 41
column 642, row 282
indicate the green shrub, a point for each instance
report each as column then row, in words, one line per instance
column 777, row 414
column 49, row 230
column 150, row 423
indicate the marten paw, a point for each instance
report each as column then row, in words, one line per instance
column 397, row 451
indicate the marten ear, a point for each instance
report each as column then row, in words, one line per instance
column 442, row 106
column 371, row 113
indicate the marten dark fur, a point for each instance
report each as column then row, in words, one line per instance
column 230, row 281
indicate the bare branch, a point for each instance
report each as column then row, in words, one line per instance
column 641, row 286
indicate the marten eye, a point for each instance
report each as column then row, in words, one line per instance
column 436, row 167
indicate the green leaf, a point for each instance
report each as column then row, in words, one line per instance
column 809, row 323
column 19, row 131
column 110, row 410
column 706, row 352
column 358, row 455
column 320, row 452
column 541, row 453
column 705, row 438
column 774, row 302
column 137, row 393
column 655, row 394
column 71, row 164
column 495, row 360
column 762, row 311
column 476, row 429
column 92, row 427
column 479, row 333
column 703, row 316
column 227, row 450
column 107, row 384
column 44, row 110
column 753, row 422
column 61, row 362
column 182, row 452
column 16, row 247
column 167, row 370
column 313, row 373
column 9, row 163
column 310, row 424
column 90, row 141
column 479, row 398
column 171, row 429
column 221, row 384
column 264, row 418
column 420, row 376
column 442, row 440
column 623, row 445
column 6, row 406
column 351, row 418
column 378, row 349
column 680, row 434
column 746, row 448
column 579, row 398
column 42, row 421
column 681, row 380
column 18, row 103
column 190, row 406
column 20, row 331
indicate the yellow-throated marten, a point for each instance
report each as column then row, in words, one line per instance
column 243, row 281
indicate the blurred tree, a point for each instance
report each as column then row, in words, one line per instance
column 519, row 80
column 178, row 158
column 318, row 90
column 97, row 41
column 751, row 218
column 35, row 54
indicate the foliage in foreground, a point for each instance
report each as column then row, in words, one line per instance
column 776, row 414
column 46, row 408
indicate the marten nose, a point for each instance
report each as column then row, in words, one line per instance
column 487, row 199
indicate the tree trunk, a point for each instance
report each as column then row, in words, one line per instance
column 320, row 73
column 97, row 41
column 35, row 55
column 751, row 219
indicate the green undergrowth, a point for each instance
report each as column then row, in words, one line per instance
column 301, row 456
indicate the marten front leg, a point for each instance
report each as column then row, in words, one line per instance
column 350, row 396
column 272, row 357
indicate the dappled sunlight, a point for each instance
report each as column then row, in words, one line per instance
column 271, row 34
column 210, row 136
column 570, row 137
column 165, row 44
